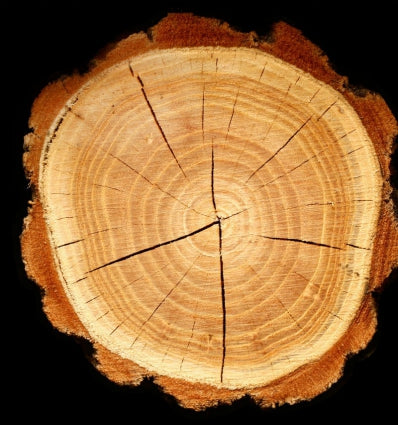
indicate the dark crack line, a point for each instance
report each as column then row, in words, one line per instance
column 234, row 214
column 331, row 203
column 212, row 178
column 298, row 274
column 104, row 230
column 118, row 326
column 354, row 150
column 94, row 298
column 79, row 280
column 334, row 315
column 163, row 300
column 156, row 185
column 262, row 71
column 346, row 134
column 155, row 118
column 326, row 110
column 224, row 311
column 102, row 315
column 356, row 246
column 318, row 203
column 288, row 312
column 277, row 112
column 291, row 170
column 222, row 283
column 300, row 241
column 107, row 187
column 203, row 112
column 314, row 95
column 232, row 115
column 189, row 343
column 70, row 243
column 153, row 247
column 131, row 70
column 279, row 149
column 121, row 288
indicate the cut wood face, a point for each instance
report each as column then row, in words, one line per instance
column 212, row 213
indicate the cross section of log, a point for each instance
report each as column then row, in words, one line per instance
column 212, row 210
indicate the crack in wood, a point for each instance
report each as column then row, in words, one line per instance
column 262, row 71
column 304, row 241
column 153, row 247
column 107, row 187
column 103, row 315
column 189, row 341
column 212, row 179
column 352, row 151
column 291, row 170
column 234, row 214
column 104, row 230
column 279, row 149
column 222, row 282
column 164, row 299
column 155, row 118
column 326, row 110
column 232, row 115
column 203, row 112
column 156, row 185
column 288, row 312
column 70, row 243
column 274, row 118
column 357, row 247
column 224, row 311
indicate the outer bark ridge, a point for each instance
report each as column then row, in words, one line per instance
column 209, row 210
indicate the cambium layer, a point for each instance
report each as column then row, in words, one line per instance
column 213, row 211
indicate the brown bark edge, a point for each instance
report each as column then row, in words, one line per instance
column 287, row 43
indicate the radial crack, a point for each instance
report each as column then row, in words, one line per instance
column 358, row 247
column 212, row 178
column 291, row 170
column 108, row 187
column 224, row 312
column 279, row 149
column 156, row 185
column 164, row 299
column 232, row 115
column 189, row 343
column 203, row 113
column 234, row 214
column 222, row 283
column 69, row 243
column 262, row 71
column 288, row 312
column 304, row 241
column 153, row 247
column 326, row 110
column 155, row 118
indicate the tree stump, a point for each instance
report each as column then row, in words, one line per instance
column 213, row 210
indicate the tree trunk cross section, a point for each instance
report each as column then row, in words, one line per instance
column 212, row 211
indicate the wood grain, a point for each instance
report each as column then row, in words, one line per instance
column 214, row 212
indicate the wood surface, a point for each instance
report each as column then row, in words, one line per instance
column 212, row 210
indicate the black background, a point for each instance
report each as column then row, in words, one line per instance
column 46, row 374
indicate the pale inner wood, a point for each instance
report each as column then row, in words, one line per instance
column 211, row 213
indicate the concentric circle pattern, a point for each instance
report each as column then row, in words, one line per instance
column 204, row 206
